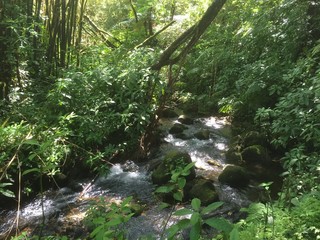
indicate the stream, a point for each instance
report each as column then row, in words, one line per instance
column 62, row 211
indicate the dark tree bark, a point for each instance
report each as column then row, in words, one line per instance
column 134, row 11
column 7, row 48
column 79, row 37
column 193, row 33
column 63, row 34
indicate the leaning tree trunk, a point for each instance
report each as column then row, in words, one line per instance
column 188, row 39
column 193, row 34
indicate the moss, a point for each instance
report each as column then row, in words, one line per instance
column 202, row 134
column 256, row 154
column 160, row 175
column 233, row 157
column 234, row 176
column 204, row 190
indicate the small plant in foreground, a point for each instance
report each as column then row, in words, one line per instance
column 197, row 221
column 106, row 219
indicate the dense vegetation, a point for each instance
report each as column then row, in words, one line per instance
column 78, row 86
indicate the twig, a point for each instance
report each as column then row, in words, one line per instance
column 167, row 221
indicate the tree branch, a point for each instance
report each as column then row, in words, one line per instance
column 194, row 32
column 146, row 41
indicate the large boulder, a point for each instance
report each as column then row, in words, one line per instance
column 182, row 136
column 185, row 120
column 172, row 162
column 177, row 128
column 256, row 154
column 233, row 157
column 202, row 134
column 204, row 190
column 234, row 176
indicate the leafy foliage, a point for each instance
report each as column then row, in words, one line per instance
column 196, row 221
column 301, row 222
column 107, row 219
column 177, row 182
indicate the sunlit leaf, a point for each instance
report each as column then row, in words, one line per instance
column 182, row 212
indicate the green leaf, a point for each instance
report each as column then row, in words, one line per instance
column 181, row 182
column 113, row 222
column 186, row 170
column 211, row 207
column 234, row 234
column 126, row 201
column 220, row 224
column 164, row 205
column 195, row 231
column 164, row 189
column 295, row 201
column 195, row 218
column 31, row 142
column 37, row 170
column 172, row 231
column 184, row 223
column 182, row 212
column 178, row 196
column 5, row 184
column 175, row 176
column 7, row 193
column 96, row 231
column 98, row 221
column 32, row 156
column 196, row 203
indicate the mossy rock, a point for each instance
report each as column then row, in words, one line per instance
column 173, row 161
column 233, row 157
column 177, row 128
column 256, row 154
column 161, row 175
column 182, row 136
column 202, row 134
column 235, row 176
column 254, row 138
column 185, row 120
column 204, row 190
column 168, row 113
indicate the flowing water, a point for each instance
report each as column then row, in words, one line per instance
column 61, row 210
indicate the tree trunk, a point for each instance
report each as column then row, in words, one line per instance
column 194, row 32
